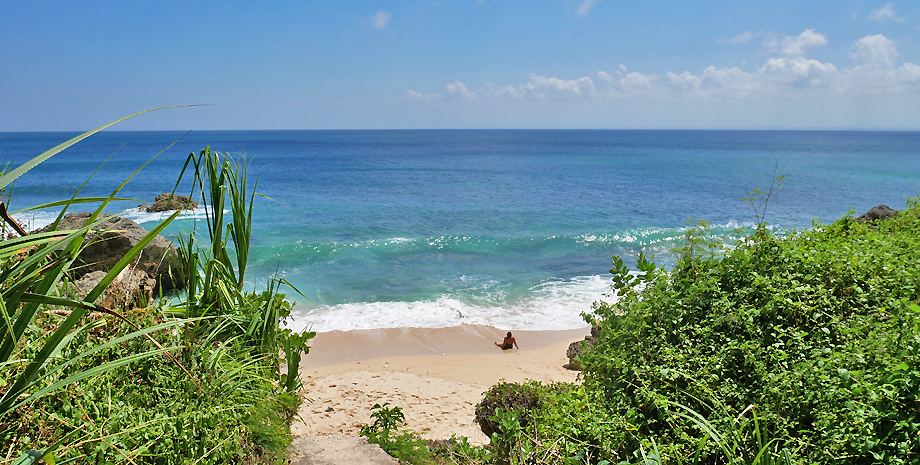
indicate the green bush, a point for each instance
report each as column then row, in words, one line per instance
column 797, row 349
column 152, row 412
column 522, row 398
column 817, row 331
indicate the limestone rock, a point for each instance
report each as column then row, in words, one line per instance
column 578, row 347
column 111, row 240
column 880, row 212
column 131, row 288
column 168, row 202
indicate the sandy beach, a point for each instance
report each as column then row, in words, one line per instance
column 436, row 375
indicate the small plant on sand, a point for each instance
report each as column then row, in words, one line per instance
column 386, row 431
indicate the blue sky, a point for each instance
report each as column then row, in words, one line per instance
column 843, row 64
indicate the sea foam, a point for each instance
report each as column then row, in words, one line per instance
column 32, row 220
column 555, row 304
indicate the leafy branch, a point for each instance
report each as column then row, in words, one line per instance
column 758, row 200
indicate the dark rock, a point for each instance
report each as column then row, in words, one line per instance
column 578, row 347
column 111, row 240
column 880, row 212
column 168, row 202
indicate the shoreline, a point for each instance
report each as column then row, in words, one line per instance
column 436, row 375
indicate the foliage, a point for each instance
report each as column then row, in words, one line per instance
column 758, row 201
column 568, row 425
column 523, row 399
column 818, row 331
column 150, row 412
column 699, row 245
column 801, row 349
column 625, row 282
column 31, row 269
column 386, row 431
column 122, row 396
column 216, row 275
column 459, row 451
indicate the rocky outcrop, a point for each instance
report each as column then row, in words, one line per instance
column 169, row 202
column 131, row 288
column 880, row 212
column 578, row 347
column 110, row 241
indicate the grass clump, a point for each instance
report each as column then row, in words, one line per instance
column 152, row 412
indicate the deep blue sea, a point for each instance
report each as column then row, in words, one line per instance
column 513, row 229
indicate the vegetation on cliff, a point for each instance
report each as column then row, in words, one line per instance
column 192, row 382
column 801, row 349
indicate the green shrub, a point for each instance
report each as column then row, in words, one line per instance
column 800, row 349
column 522, row 398
column 817, row 330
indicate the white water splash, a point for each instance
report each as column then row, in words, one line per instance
column 551, row 305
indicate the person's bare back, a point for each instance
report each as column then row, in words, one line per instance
column 508, row 344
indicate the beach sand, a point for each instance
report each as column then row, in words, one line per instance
column 436, row 375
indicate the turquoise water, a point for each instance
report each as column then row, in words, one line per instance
column 509, row 228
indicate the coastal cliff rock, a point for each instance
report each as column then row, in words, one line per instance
column 168, row 202
column 107, row 243
column 131, row 288
column 880, row 212
column 578, row 347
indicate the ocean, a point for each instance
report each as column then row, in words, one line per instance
column 508, row 228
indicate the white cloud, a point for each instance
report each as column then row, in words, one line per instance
column 381, row 20
column 459, row 89
column 543, row 87
column 604, row 76
column 684, row 80
column 886, row 12
column 745, row 36
column 796, row 46
column 493, row 91
column 791, row 73
column 586, row 6
column 875, row 50
column 637, row 81
column 785, row 77
column 722, row 82
column 420, row 97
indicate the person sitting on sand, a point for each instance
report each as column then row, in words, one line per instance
column 508, row 343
